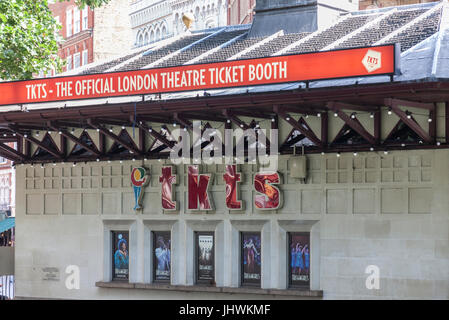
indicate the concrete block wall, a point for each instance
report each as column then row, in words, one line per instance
column 391, row 211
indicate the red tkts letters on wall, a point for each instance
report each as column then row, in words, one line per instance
column 167, row 180
column 268, row 196
column 197, row 189
column 232, row 179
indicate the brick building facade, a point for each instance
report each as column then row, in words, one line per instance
column 240, row 11
column 77, row 31
column 369, row 4
column 91, row 35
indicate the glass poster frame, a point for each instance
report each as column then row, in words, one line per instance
column 250, row 255
column 161, row 251
column 120, row 255
column 299, row 259
column 205, row 257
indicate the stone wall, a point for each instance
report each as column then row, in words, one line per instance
column 112, row 31
column 371, row 209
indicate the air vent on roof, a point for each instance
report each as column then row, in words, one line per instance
column 296, row 16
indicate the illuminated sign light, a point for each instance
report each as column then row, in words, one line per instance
column 358, row 62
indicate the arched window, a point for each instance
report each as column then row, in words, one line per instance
column 140, row 40
column 152, row 36
column 158, row 34
column 176, row 23
column 164, row 31
column 145, row 40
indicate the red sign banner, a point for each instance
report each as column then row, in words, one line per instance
column 369, row 61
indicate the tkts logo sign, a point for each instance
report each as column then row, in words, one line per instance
column 267, row 197
column 372, row 60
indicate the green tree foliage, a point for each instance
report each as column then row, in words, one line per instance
column 29, row 37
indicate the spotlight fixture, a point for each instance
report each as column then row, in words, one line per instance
column 37, row 134
column 335, row 114
column 429, row 120
column 371, row 149
column 123, row 127
column 385, row 152
column 98, row 160
column 371, row 115
column 150, row 130
column 409, row 114
column 318, row 115
column 355, row 154
column 390, row 112
column 353, row 115
column 338, row 155
column 438, row 143
column 287, row 118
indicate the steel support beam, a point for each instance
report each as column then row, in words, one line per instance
column 156, row 135
column 186, row 123
column 73, row 138
column 295, row 124
column 411, row 123
column 348, row 106
column 13, row 153
column 113, row 136
column 31, row 139
column 406, row 103
column 353, row 123
column 242, row 124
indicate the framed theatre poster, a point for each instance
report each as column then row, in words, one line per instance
column 120, row 255
column 205, row 250
column 250, row 246
column 161, row 256
column 299, row 259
